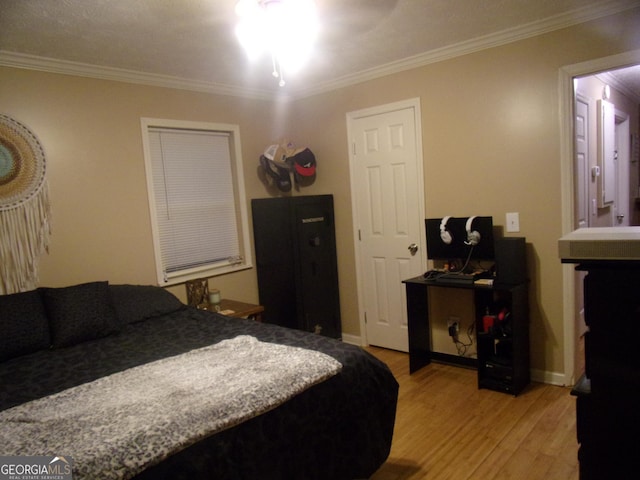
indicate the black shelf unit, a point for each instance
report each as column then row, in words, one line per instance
column 296, row 262
column 503, row 348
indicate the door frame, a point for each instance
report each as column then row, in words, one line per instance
column 567, row 152
column 351, row 117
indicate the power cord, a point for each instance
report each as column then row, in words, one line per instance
column 455, row 272
column 461, row 346
column 466, row 264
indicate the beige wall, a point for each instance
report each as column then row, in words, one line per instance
column 90, row 131
column 490, row 143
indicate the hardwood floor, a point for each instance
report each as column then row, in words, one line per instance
column 448, row 429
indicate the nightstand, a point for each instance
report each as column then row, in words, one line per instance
column 233, row 308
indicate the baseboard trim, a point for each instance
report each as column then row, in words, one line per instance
column 539, row 376
column 352, row 339
column 551, row 378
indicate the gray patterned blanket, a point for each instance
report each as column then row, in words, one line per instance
column 117, row 426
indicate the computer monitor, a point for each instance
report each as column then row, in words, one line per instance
column 448, row 238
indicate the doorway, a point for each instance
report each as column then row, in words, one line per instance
column 569, row 208
column 385, row 159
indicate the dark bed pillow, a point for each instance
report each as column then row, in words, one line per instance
column 79, row 313
column 134, row 303
column 23, row 324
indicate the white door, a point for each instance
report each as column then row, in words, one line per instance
column 606, row 153
column 581, row 163
column 386, row 167
column 622, row 160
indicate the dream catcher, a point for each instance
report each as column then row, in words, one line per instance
column 24, row 207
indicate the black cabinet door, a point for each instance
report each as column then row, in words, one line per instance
column 317, row 281
column 274, row 261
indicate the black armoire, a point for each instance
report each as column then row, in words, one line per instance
column 296, row 262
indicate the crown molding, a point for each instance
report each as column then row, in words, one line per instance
column 65, row 67
column 503, row 37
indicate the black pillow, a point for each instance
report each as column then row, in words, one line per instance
column 134, row 303
column 79, row 313
column 23, row 324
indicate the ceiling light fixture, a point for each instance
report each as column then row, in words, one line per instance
column 286, row 29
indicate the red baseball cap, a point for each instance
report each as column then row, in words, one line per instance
column 304, row 162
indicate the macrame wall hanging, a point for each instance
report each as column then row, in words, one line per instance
column 24, row 207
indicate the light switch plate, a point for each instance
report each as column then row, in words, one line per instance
column 513, row 222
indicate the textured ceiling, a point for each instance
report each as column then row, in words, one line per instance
column 627, row 80
column 193, row 40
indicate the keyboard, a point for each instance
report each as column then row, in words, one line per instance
column 457, row 278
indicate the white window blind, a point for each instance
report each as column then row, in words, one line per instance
column 195, row 202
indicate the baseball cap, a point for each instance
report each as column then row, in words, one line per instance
column 304, row 161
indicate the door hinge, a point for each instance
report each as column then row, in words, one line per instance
column 359, row 235
column 353, row 148
column 365, row 318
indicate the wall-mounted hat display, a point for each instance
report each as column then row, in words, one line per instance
column 279, row 161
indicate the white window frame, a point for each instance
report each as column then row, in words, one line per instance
column 220, row 268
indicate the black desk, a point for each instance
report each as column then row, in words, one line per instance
column 420, row 353
column 507, row 376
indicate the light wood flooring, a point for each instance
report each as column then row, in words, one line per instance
column 448, row 429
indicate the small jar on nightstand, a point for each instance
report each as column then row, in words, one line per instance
column 215, row 299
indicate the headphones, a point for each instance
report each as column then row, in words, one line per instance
column 473, row 237
column 445, row 235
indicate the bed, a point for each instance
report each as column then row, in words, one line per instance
column 82, row 367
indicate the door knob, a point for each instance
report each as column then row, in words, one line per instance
column 413, row 248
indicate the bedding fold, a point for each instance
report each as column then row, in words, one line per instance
column 116, row 426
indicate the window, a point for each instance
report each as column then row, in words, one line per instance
column 196, row 199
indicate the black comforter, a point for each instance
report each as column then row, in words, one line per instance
column 339, row 429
